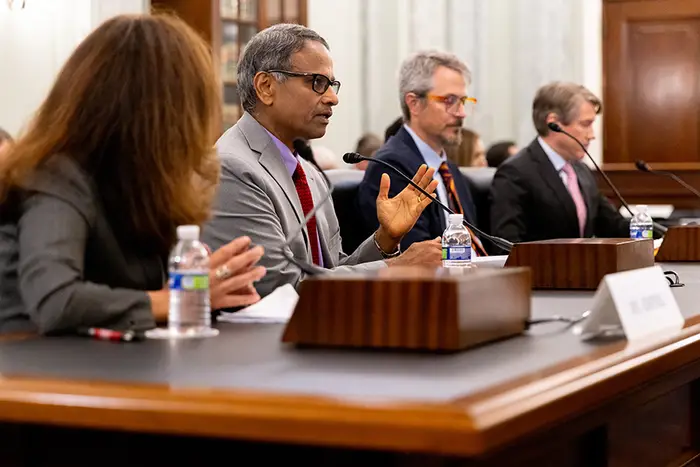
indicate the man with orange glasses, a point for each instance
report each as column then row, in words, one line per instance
column 434, row 101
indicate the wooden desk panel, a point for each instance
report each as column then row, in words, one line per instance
column 589, row 407
column 644, row 188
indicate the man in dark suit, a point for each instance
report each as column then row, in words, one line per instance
column 433, row 86
column 545, row 191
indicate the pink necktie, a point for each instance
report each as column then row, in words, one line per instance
column 575, row 192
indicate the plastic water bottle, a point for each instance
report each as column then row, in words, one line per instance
column 189, row 314
column 456, row 244
column 642, row 225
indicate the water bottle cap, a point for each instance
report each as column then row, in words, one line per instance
column 456, row 219
column 188, row 232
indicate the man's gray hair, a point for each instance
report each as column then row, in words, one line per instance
column 271, row 49
column 417, row 71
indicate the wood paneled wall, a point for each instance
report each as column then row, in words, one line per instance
column 651, row 54
column 651, row 96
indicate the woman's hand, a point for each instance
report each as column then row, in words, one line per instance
column 232, row 273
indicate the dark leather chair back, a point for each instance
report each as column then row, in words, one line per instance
column 480, row 179
column 352, row 228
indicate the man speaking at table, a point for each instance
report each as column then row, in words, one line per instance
column 288, row 90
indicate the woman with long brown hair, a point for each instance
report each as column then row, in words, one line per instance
column 470, row 152
column 118, row 155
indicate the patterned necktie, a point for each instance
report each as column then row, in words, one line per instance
column 307, row 204
column 575, row 192
column 456, row 206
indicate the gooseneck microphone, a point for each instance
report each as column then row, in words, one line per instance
column 354, row 158
column 304, row 151
column 557, row 129
column 644, row 167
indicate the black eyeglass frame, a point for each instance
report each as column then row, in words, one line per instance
column 325, row 81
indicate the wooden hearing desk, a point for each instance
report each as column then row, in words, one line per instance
column 542, row 399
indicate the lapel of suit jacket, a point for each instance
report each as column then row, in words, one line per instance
column 271, row 160
column 552, row 178
column 318, row 194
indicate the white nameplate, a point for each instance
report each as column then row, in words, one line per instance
column 638, row 302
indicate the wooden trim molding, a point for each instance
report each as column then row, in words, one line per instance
column 645, row 188
column 464, row 426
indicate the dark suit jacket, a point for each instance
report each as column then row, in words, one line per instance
column 61, row 266
column 401, row 151
column 530, row 202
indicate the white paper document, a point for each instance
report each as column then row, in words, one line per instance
column 490, row 261
column 275, row 308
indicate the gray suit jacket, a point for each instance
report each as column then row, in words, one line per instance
column 257, row 198
column 61, row 266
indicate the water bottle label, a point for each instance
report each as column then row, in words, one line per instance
column 188, row 281
column 457, row 253
column 639, row 232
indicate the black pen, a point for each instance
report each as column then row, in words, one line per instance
column 110, row 334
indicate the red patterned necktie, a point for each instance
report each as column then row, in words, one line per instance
column 456, row 206
column 307, row 204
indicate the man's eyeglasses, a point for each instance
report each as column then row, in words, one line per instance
column 452, row 102
column 319, row 83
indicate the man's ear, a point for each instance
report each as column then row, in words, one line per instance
column 265, row 87
column 552, row 117
column 413, row 102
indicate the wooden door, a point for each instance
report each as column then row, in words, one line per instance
column 651, row 68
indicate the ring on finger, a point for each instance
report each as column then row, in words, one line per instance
column 222, row 272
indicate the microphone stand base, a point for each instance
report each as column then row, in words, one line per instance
column 579, row 263
column 435, row 310
column 681, row 244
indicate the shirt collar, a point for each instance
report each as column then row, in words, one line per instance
column 290, row 159
column 431, row 158
column 557, row 161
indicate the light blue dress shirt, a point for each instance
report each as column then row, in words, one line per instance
column 432, row 160
column 557, row 161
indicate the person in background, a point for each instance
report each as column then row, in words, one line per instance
column 325, row 157
column 392, row 129
column 545, row 191
column 112, row 163
column 5, row 140
column 434, row 100
column 499, row 152
column 367, row 146
column 470, row 152
column 288, row 91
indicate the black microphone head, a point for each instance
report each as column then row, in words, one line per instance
column 643, row 166
column 302, row 148
column 352, row 158
column 554, row 126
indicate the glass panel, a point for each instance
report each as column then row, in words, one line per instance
column 231, row 115
column 274, row 11
column 291, row 11
column 229, row 9
column 229, row 51
column 231, row 108
column 249, row 10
